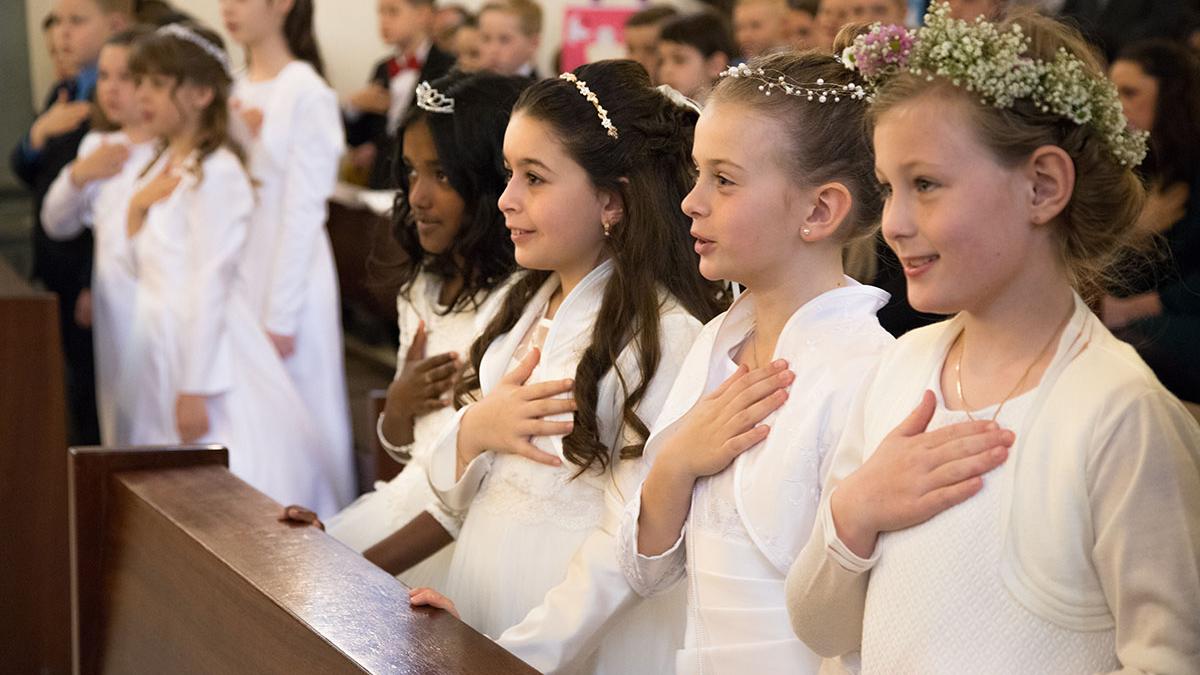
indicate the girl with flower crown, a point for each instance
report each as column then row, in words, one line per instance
column 199, row 369
column 457, row 257
column 573, row 370
column 288, row 120
column 762, row 396
column 1036, row 511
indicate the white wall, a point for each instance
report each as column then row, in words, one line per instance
column 346, row 29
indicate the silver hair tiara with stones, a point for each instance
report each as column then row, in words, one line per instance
column 591, row 97
column 432, row 100
column 188, row 35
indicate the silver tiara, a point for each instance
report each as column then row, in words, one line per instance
column 819, row 91
column 184, row 33
column 432, row 100
column 591, row 97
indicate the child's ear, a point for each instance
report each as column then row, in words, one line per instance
column 827, row 209
column 1051, row 174
column 118, row 21
column 716, row 64
column 612, row 205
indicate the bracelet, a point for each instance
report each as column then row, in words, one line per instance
column 400, row 453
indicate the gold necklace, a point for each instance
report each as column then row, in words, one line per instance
column 958, row 371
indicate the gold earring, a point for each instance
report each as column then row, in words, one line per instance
column 607, row 228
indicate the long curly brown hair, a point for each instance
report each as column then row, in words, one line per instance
column 652, row 253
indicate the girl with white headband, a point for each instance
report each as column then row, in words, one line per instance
column 199, row 369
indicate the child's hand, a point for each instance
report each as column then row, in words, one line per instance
column 83, row 308
column 63, row 116
column 511, row 414
column 298, row 514
column 150, row 194
column 104, row 162
column 427, row 597
column 285, row 345
column 726, row 422
column 372, row 99
column 419, row 388
column 915, row 475
column 191, row 417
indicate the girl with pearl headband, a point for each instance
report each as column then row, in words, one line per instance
column 784, row 186
column 1016, row 491
column 573, row 370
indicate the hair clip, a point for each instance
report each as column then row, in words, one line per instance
column 432, row 100
column 819, row 91
column 591, row 97
column 188, row 35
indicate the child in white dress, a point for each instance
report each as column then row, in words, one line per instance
column 199, row 369
column 94, row 191
column 738, row 451
column 292, row 130
column 457, row 257
column 599, row 161
column 1037, row 511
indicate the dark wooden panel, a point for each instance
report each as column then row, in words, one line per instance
column 199, row 576
column 34, row 588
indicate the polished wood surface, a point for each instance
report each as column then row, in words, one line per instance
column 34, row 588
column 196, row 574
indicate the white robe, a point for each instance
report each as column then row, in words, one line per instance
column 1095, row 515
column 394, row 503
column 288, row 271
column 193, row 333
column 103, row 205
column 747, row 523
column 537, row 547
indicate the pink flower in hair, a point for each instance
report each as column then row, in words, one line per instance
column 883, row 49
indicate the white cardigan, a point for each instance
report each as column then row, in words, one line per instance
column 568, row 625
column 1105, row 470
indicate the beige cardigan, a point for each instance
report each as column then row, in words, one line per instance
column 1112, row 540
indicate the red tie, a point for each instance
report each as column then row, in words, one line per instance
column 395, row 66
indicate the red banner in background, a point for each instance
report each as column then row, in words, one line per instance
column 593, row 34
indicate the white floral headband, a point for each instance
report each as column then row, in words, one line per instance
column 819, row 91
column 591, row 97
column 993, row 64
column 432, row 100
column 188, row 35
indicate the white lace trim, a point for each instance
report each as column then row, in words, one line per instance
column 533, row 494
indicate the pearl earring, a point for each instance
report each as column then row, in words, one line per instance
column 804, row 231
column 607, row 228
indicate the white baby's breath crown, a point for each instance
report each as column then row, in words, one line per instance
column 995, row 66
column 594, row 100
column 819, row 91
column 188, row 35
column 432, row 100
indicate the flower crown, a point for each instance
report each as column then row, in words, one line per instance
column 594, row 100
column 819, row 91
column 432, row 100
column 188, row 35
column 993, row 64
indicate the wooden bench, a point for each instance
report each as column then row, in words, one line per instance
column 178, row 566
column 35, row 601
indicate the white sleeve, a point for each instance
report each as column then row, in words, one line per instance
column 827, row 584
column 66, row 210
column 316, row 147
column 455, row 494
column 1144, row 487
column 217, row 218
column 572, row 618
column 649, row 575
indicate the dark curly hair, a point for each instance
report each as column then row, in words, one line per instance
column 469, row 147
column 650, row 167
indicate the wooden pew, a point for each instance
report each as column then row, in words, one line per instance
column 35, row 601
column 180, row 567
